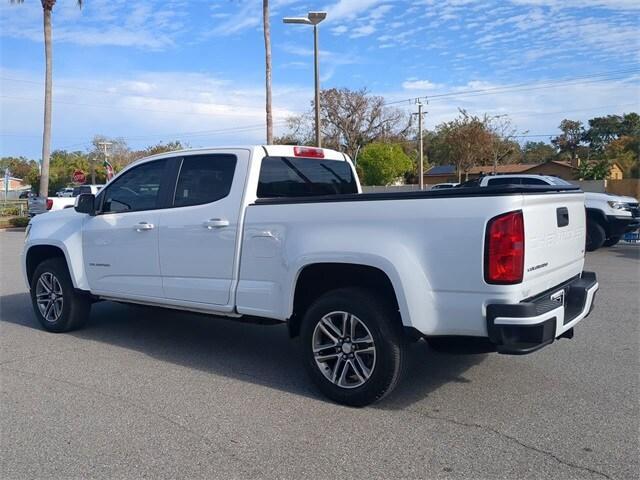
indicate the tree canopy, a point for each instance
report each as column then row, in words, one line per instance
column 382, row 163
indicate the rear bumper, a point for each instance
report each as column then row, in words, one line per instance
column 527, row 326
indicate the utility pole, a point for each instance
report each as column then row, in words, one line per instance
column 420, row 145
column 105, row 146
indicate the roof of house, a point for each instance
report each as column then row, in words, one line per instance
column 510, row 168
column 515, row 167
column 442, row 170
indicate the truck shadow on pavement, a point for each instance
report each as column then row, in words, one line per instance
column 260, row 354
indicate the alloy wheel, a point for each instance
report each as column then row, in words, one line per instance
column 49, row 297
column 344, row 349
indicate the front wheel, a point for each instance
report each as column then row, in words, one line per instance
column 596, row 236
column 57, row 305
column 353, row 346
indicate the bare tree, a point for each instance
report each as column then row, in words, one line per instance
column 468, row 140
column 503, row 141
column 267, row 50
column 47, row 9
column 349, row 120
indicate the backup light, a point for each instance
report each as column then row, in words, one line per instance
column 504, row 249
column 309, row 152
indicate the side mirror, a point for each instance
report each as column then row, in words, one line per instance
column 86, row 203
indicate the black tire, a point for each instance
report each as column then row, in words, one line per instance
column 611, row 241
column 375, row 318
column 75, row 306
column 596, row 235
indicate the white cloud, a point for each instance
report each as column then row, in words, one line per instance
column 413, row 84
column 349, row 9
column 99, row 23
column 144, row 108
column 362, row 31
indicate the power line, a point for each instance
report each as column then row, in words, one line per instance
column 239, row 129
column 579, row 80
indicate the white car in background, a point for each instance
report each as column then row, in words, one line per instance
column 609, row 216
column 440, row 186
column 65, row 192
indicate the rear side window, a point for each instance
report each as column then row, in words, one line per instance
column 503, row 181
column 204, row 179
column 304, row 177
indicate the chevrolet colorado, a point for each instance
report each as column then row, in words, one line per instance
column 284, row 233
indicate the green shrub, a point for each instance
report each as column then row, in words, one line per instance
column 9, row 211
column 383, row 163
column 19, row 221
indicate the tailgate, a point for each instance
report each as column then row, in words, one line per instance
column 555, row 235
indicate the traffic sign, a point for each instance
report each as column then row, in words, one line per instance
column 79, row 177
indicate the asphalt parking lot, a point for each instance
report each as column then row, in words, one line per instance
column 145, row 393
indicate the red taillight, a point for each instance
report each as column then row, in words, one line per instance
column 309, row 152
column 49, row 203
column 504, row 249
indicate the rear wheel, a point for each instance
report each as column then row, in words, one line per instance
column 611, row 241
column 596, row 235
column 353, row 346
column 57, row 305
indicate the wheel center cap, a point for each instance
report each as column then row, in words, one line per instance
column 346, row 347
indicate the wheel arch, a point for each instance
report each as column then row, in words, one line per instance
column 36, row 254
column 315, row 279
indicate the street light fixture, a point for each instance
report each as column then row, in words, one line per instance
column 313, row 18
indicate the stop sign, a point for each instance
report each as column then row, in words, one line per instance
column 79, row 177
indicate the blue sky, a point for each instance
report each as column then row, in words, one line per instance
column 154, row 71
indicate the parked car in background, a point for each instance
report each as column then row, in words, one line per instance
column 609, row 216
column 65, row 192
column 440, row 186
column 37, row 205
column 81, row 189
column 283, row 234
column 25, row 194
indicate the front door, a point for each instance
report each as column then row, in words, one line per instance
column 120, row 243
column 199, row 232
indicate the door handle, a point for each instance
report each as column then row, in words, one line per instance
column 143, row 226
column 215, row 223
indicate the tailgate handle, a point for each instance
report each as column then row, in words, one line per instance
column 562, row 216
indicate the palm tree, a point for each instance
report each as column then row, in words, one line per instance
column 267, row 49
column 47, row 8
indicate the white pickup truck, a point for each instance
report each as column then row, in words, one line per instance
column 284, row 233
column 609, row 216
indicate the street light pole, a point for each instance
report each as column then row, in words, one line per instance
column 313, row 18
column 317, row 84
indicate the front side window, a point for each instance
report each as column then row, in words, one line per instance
column 136, row 189
column 204, row 179
column 304, row 177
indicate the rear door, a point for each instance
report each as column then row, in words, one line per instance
column 555, row 234
column 199, row 232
